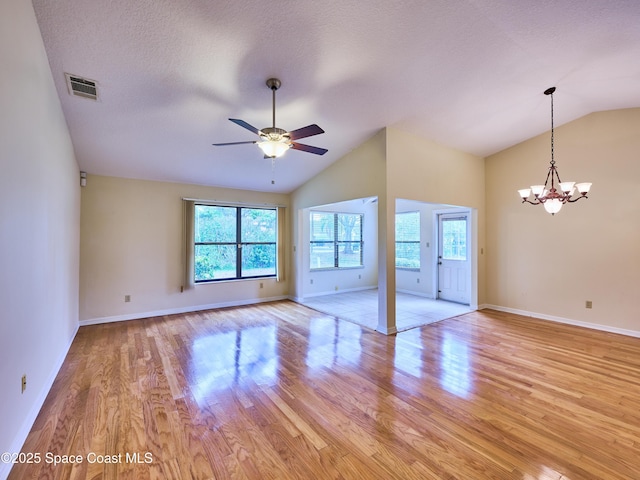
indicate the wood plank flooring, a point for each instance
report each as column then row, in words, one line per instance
column 279, row 391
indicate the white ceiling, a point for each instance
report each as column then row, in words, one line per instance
column 467, row 74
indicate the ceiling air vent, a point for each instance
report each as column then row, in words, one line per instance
column 82, row 87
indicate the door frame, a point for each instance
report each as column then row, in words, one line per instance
column 472, row 239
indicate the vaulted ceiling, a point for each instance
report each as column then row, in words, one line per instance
column 467, row 74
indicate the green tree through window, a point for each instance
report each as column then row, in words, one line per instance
column 234, row 242
column 336, row 240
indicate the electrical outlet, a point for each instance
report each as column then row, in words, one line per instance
column 336, row 288
column 311, row 281
column 261, row 285
column 588, row 304
column 359, row 277
column 24, row 382
column 127, row 298
column 417, row 280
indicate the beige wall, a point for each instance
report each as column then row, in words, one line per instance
column 39, row 226
column 550, row 265
column 132, row 244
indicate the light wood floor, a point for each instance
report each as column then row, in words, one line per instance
column 279, row 391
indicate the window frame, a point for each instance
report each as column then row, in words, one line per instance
column 239, row 243
column 336, row 241
column 409, row 242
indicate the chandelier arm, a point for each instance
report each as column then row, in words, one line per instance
column 557, row 175
column 547, row 179
column 577, row 198
column 537, row 202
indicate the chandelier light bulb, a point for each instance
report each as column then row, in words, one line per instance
column 567, row 187
column 583, row 188
column 537, row 190
column 525, row 192
column 553, row 206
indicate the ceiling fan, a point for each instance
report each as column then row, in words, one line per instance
column 274, row 142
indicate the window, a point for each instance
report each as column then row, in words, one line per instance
column 454, row 238
column 234, row 242
column 336, row 240
column 408, row 240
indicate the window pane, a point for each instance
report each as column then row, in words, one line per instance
column 322, row 255
column 335, row 233
column 349, row 227
column 215, row 224
column 322, row 227
column 408, row 255
column 408, row 227
column 258, row 260
column 349, row 254
column 454, row 239
column 408, row 240
column 258, row 225
column 214, row 262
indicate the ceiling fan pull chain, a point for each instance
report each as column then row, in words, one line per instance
column 273, row 170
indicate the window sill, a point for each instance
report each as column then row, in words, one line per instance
column 228, row 280
column 335, row 269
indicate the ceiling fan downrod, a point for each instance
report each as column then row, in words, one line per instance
column 274, row 84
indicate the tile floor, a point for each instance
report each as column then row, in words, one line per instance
column 362, row 308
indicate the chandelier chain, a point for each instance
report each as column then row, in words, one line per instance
column 553, row 162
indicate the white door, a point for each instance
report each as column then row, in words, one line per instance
column 453, row 257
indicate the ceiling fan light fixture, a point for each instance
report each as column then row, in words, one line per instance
column 274, row 148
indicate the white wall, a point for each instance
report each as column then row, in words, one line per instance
column 132, row 244
column 39, row 226
column 550, row 265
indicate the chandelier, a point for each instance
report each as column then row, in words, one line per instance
column 555, row 194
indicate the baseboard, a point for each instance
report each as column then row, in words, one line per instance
column 568, row 321
column 332, row 292
column 413, row 292
column 173, row 311
column 27, row 424
column 386, row 331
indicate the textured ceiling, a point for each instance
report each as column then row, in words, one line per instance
column 467, row 74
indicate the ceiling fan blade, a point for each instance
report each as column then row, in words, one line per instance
column 308, row 148
column 307, row 131
column 232, row 143
column 244, row 124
